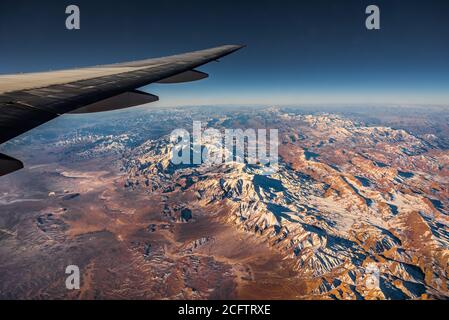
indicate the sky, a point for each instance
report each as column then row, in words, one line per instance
column 298, row 52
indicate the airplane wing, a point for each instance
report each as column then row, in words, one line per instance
column 29, row 100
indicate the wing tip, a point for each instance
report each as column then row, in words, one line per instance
column 228, row 49
column 238, row 46
column 231, row 47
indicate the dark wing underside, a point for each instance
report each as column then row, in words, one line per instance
column 29, row 100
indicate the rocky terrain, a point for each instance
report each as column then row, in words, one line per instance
column 352, row 191
column 346, row 195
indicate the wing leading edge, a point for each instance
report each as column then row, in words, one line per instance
column 29, row 100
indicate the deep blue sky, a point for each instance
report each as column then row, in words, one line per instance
column 298, row 51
